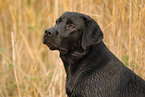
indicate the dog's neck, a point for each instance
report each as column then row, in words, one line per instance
column 72, row 60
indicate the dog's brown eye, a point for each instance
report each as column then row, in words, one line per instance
column 72, row 27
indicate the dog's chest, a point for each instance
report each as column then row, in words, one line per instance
column 71, row 84
column 69, row 87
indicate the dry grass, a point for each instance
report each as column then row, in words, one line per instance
column 29, row 69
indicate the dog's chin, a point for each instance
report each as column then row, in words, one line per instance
column 51, row 47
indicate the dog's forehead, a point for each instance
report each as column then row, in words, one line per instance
column 71, row 15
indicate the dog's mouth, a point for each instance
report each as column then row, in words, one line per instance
column 54, row 47
column 62, row 49
column 51, row 46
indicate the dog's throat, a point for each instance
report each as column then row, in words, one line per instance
column 72, row 61
column 63, row 51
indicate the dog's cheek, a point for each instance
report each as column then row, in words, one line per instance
column 65, row 43
column 75, row 34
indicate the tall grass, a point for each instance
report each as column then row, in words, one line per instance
column 29, row 69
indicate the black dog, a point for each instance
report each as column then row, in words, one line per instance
column 92, row 70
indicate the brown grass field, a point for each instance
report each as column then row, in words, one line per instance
column 30, row 69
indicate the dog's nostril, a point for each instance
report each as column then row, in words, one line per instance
column 45, row 31
column 48, row 33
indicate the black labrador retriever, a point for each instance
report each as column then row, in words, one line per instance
column 92, row 70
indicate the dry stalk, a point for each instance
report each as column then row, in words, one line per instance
column 14, row 63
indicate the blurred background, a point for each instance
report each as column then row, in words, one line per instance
column 29, row 69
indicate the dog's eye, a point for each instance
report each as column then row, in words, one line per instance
column 71, row 27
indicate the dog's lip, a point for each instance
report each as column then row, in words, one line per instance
column 63, row 50
column 50, row 45
column 44, row 41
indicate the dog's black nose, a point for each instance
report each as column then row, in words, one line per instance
column 49, row 33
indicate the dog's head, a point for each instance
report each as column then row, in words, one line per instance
column 72, row 31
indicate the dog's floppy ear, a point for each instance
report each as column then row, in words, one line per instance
column 92, row 33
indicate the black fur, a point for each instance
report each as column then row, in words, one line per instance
column 92, row 70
